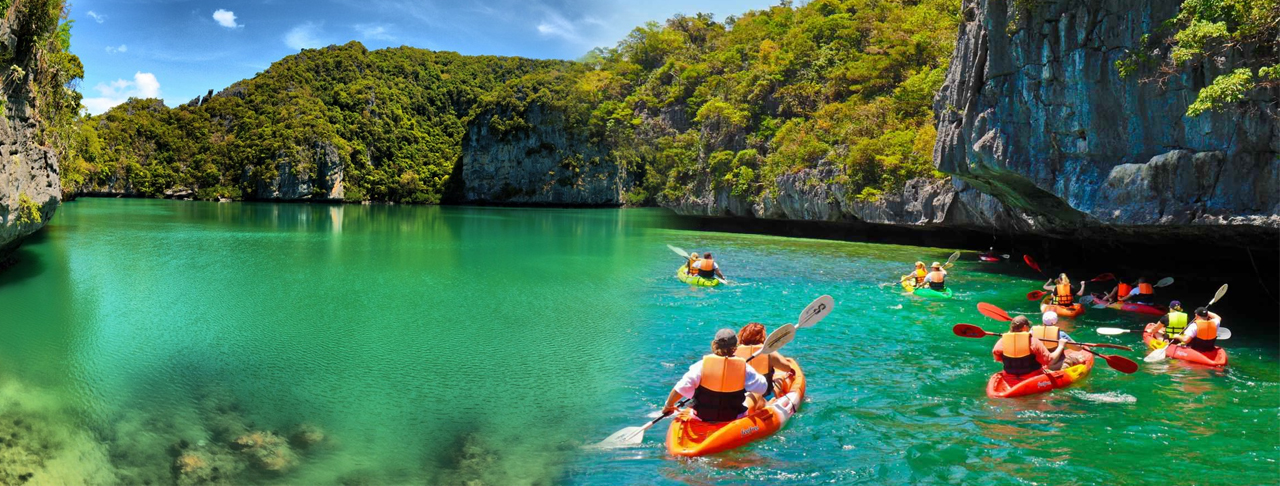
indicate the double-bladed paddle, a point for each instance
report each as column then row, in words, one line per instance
column 1162, row 353
column 1223, row 333
column 1118, row 363
column 993, row 312
column 814, row 312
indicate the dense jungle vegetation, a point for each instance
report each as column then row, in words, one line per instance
column 695, row 101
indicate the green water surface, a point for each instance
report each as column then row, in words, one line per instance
column 485, row 346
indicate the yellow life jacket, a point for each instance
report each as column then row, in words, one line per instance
column 1046, row 334
column 920, row 274
column 1177, row 324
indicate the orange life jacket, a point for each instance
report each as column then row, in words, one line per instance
column 1049, row 333
column 706, row 268
column 1206, row 329
column 759, row 363
column 1016, row 351
column 1123, row 290
column 1063, row 295
column 1146, row 289
column 722, row 390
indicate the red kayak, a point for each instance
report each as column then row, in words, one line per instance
column 1151, row 310
column 1217, row 357
column 1002, row 385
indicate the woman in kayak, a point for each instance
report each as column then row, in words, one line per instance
column 688, row 267
column 918, row 274
column 751, row 339
column 1021, row 354
column 1061, row 289
column 937, row 278
column 723, row 387
column 1049, row 330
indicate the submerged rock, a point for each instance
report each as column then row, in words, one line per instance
column 266, row 451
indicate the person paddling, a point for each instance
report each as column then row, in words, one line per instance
column 750, row 340
column 707, row 267
column 1049, row 330
column 1143, row 293
column 1020, row 354
column 1201, row 335
column 1171, row 324
column 1061, row 288
column 688, row 266
column 723, row 387
column 917, row 275
column 937, row 278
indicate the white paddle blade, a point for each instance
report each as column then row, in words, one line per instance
column 952, row 259
column 1224, row 333
column 1165, row 282
column 1005, row 256
column 630, row 436
column 1218, row 296
column 816, row 311
column 777, row 339
column 1111, row 331
column 1157, row 355
column 679, row 251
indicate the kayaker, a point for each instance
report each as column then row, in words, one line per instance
column 1061, row 289
column 1119, row 293
column 750, row 339
column 1049, row 330
column 688, row 266
column 707, row 267
column 723, row 387
column 937, row 278
column 1201, row 335
column 919, row 274
column 1171, row 324
column 1021, row 354
column 1143, row 293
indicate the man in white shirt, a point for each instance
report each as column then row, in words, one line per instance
column 1202, row 334
column 722, row 386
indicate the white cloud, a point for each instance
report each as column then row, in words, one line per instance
column 226, row 18
column 553, row 25
column 114, row 50
column 305, row 36
column 97, row 18
column 144, row 85
column 374, row 31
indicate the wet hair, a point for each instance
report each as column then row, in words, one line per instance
column 1142, row 279
column 751, row 334
column 1164, row 319
column 707, row 255
column 1202, row 312
column 1062, row 277
column 1019, row 322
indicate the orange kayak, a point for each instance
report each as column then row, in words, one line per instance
column 1063, row 311
column 690, row 437
column 1002, row 385
column 1218, row 357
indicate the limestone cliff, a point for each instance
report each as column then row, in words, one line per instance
column 1035, row 114
column 542, row 161
column 29, row 188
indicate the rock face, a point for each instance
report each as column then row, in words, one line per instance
column 1035, row 114
column 544, row 162
column 319, row 178
column 29, row 188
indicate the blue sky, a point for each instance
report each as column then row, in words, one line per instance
column 177, row 50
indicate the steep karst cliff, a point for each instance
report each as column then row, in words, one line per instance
column 34, row 103
column 1035, row 113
